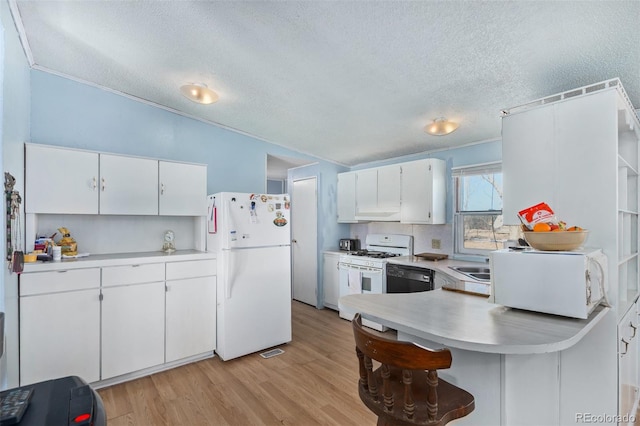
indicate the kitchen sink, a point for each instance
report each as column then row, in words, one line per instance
column 478, row 273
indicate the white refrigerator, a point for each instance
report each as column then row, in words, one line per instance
column 251, row 236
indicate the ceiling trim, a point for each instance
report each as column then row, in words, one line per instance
column 22, row 34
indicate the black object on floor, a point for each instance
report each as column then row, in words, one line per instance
column 65, row 401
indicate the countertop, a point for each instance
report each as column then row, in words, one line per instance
column 115, row 259
column 471, row 322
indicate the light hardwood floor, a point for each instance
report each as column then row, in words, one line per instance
column 313, row 382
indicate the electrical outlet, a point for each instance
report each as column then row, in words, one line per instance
column 435, row 244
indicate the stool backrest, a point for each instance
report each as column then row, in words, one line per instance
column 405, row 355
column 408, row 374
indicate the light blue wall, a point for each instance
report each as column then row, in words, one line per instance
column 14, row 105
column 72, row 114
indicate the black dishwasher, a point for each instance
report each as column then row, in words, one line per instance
column 408, row 279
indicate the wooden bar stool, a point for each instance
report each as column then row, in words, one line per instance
column 405, row 389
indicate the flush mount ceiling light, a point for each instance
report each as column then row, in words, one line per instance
column 440, row 126
column 199, row 92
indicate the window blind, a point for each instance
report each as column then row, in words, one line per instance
column 477, row 169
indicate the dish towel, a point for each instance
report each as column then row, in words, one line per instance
column 355, row 281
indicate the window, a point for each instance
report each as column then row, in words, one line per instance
column 478, row 227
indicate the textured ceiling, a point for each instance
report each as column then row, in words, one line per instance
column 346, row 81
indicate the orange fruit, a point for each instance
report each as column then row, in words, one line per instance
column 541, row 227
column 574, row 228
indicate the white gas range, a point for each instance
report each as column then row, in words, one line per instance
column 364, row 271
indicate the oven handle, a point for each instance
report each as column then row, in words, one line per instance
column 360, row 268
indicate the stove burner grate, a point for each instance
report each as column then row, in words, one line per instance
column 373, row 254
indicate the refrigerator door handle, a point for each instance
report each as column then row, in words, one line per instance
column 229, row 266
column 231, row 225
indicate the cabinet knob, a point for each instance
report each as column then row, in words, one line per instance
column 294, row 241
column 634, row 327
column 104, row 184
column 162, row 189
column 94, row 183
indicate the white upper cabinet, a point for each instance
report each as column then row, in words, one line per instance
column 423, row 192
column 346, row 199
column 60, row 180
column 68, row 181
column 411, row 192
column 183, row 189
column 128, row 185
column 366, row 191
column 378, row 193
column 389, row 188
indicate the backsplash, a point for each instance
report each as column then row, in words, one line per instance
column 422, row 234
column 104, row 234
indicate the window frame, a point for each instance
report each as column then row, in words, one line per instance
column 459, row 215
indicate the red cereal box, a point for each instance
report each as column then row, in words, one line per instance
column 541, row 212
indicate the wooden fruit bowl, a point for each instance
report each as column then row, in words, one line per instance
column 556, row 240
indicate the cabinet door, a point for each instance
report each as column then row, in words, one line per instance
column 183, row 189
column 366, row 191
column 527, row 161
column 132, row 274
column 331, row 280
column 128, row 185
column 346, row 201
column 60, row 336
column 132, row 328
column 417, row 192
column 439, row 280
column 191, row 317
column 628, row 362
column 389, row 188
column 60, row 180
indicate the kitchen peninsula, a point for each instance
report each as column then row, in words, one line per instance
column 523, row 368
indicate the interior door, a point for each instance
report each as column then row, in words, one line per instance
column 304, row 242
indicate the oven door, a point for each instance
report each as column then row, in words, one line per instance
column 371, row 280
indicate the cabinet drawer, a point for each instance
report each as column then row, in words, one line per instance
column 132, row 274
column 57, row 281
column 191, row 269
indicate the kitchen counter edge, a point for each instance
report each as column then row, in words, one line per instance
column 117, row 259
column 497, row 329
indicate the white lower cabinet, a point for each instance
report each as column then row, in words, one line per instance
column 60, row 325
column 441, row 279
column 103, row 322
column 191, row 317
column 331, row 280
column 191, row 309
column 628, row 350
column 132, row 328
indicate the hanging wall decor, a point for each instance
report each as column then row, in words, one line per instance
column 15, row 255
